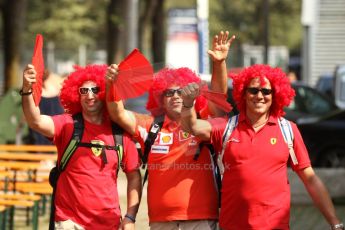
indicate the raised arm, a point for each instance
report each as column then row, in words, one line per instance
column 319, row 194
column 198, row 127
column 116, row 109
column 220, row 48
column 40, row 123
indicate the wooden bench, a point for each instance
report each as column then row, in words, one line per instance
column 20, row 200
column 28, row 148
column 3, row 211
column 29, row 158
column 24, row 165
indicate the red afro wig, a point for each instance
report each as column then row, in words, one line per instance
column 167, row 78
column 69, row 96
column 282, row 90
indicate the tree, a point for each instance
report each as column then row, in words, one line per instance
column 158, row 33
column 115, row 15
column 100, row 25
column 245, row 19
column 144, row 29
column 152, row 23
column 13, row 14
column 66, row 23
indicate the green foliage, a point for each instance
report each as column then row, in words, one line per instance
column 68, row 23
column 181, row 4
column 11, row 118
column 245, row 19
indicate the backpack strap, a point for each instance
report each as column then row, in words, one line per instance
column 118, row 141
column 77, row 135
column 151, row 137
column 287, row 132
column 76, row 138
column 78, row 130
column 229, row 128
column 74, row 143
column 216, row 171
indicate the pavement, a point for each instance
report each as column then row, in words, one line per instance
column 332, row 178
column 304, row 215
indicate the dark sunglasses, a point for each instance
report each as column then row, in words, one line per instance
column 86, row 90
column 255, row 91
column 171, row 92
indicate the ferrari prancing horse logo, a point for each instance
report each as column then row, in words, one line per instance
column 273, row 141
column 97, row 150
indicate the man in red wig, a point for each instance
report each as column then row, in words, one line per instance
column 255, row 187
column 86, row 195
column 181, row 189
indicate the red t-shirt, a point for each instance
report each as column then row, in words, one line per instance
column 179, row 187
column 87, row 189
column 256, row 191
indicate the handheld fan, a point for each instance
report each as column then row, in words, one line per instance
column 38, row 63
column 134, row 79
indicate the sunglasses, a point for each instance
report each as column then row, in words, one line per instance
column 171, row 92
column 255, row 91
column 86, row 90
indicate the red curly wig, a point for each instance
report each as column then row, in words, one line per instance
column 69, row 96
column 282, row 90
column 169, row 77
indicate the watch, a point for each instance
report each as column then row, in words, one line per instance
column 337, row 226
column 25, row 93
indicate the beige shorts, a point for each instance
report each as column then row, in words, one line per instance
column 67, row 225
column 185, row 225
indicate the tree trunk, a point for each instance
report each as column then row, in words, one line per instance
column 115, row 15
column 158, row 34
column 144, row 23
column 13, row 20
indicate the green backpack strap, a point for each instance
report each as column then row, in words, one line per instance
column 77, row 135
column 76, row 138
column 54, row 174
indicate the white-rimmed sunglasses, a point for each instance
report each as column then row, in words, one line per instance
column 86, row 90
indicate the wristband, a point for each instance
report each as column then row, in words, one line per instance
column 337, row 226
column 25, row 94
column 131, row 218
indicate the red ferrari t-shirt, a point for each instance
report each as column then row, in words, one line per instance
column 256, row 191
column 179, row 187
column 87, row 189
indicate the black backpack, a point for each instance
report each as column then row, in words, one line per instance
column 73, row 144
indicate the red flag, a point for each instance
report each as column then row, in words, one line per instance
column 38, row 63
column 134, row 79
column 219, row 99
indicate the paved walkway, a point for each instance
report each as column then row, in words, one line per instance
column 303, row 214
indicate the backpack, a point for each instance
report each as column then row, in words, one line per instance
column 285, row 128
column 151, row 137
column 74, row 143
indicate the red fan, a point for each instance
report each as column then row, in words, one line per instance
column 38, row 63
column 134, row 79
column 219, row 99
